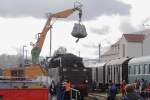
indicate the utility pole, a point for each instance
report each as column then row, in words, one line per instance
column 50, row 53
column 23, row 54
column 99, row 49
column 79, row 53
column 26, row 61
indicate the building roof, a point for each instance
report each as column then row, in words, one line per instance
column 117, row 61
column 134, row 37
column 146, row 31
column 137, row 60
column 97, row 65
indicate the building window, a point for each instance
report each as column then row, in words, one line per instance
column 118, row 47
column 111, row 72
column 17, row 74
column 142, row 69
column 149, row 69
column 129, row 70
column 137, row 69
column 146, row 69
column 123, row 50
column 114, row 74
column 134, row 69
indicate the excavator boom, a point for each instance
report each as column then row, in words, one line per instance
column 35, row 52
column 64, row 14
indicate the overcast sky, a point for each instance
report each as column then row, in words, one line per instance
column 105, row 21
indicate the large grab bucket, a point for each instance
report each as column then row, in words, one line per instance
column 79, row 31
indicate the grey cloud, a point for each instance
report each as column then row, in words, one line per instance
column 104, row 44
column 108, row 7
column 105, row 48
column 102, row 51
column 37, row 8
column 145, row 23
column 104, row 30
column 90, row 45
column 96, row 48
column 126, row 27
column 107, row 41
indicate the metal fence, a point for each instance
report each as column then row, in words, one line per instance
column 74, row 94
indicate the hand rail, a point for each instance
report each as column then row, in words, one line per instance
column 76, row 94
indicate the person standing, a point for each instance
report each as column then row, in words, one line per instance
column 131, row 93
column 143, row 88
column 60, row 91
column 67, row 86
column 94, row 85
column 137, row 85
column 122, row 87
column 112, row 90
column 148, row 90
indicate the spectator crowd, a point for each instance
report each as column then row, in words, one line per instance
column 138, row 90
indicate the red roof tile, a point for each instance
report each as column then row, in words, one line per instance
column 134, row 37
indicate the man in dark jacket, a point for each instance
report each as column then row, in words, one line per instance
column 112, row 90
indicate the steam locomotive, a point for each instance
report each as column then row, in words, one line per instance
column 71, row 67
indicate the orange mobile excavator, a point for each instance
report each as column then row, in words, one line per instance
column 33, row 70
column 35, row 52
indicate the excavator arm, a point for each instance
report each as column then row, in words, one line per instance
column 35, row 52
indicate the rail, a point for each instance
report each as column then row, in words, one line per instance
column 76, row 92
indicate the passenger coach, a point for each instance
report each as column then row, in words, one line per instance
column 139, row 68
column 117, row 70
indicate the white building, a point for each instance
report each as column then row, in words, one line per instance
column 129, row 45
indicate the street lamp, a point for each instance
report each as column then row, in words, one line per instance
column 79, row 53
column 99, row 49
column 50, row 54
column 23, row 53
column 26, row 51
column 60, row 69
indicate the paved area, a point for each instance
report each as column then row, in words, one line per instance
column 97, row 96
column 52, row 98
column 86, row 98
column 90, row 97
